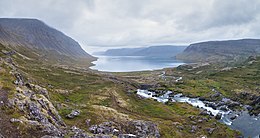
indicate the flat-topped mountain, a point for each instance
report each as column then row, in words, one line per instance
column 152, row 51
column 221, row 50
column 34, row 35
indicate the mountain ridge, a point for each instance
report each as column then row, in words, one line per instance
column 221, row 50
column 36, row 36
column 151, row 51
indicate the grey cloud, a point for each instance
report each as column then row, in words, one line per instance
column 98, row 24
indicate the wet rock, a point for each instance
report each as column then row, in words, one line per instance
column 233, row 117
column 73, row 114
column 212, row 105
column 217, row 94
column 249, row 108
column 223, row 108
column 218, row 116
column 210, row 130
column 202, row 98
column 232, row 104
column 256, row 101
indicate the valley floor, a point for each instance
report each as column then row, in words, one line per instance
column 63, row 101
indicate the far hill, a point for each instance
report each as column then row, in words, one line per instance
column 35, row 39
column 221, row 50
column 152, row 51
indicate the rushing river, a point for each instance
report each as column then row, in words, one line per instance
column 133, row 63
column 248, row 125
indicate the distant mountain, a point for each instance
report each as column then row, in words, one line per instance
column 152, row 51
column 35, row 36
column 221, row 50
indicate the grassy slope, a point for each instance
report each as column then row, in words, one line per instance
column 78, row 89
column 200, row 81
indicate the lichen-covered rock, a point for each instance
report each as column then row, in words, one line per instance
column 129, row 129
column 142, row 129
column 78, row 133
column 73, row 114
column 104, row 128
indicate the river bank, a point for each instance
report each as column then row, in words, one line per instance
column 242, row 121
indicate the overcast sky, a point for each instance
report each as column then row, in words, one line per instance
column 102, row 24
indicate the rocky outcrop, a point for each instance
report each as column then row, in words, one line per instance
column 135, row 128
column 33, row 103
column 37, row 111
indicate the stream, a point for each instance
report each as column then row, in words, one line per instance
column 248, row 125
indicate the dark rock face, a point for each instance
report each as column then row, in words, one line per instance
column 36, row 35
column 221, row 50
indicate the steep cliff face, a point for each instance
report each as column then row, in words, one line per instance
column 221, row 50
column 35, row 35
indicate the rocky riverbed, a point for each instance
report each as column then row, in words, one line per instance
column 239, row 120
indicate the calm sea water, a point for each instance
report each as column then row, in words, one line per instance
column 132, row 63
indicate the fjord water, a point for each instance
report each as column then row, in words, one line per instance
column 133, row 63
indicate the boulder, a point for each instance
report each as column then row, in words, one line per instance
column 233, row 117
column 143, row 128
column 73, row 114
column 104, row 128
column 78, row 133
column 218, row 116
column 210, row 130
column 223, row 108
column 193, row 129
column 204, row 112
